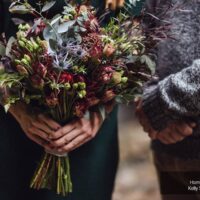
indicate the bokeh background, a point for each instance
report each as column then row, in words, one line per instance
column 136, row 178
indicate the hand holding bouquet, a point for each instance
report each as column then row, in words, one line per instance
column 68, row 65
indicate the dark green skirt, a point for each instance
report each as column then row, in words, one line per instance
column 93, row 166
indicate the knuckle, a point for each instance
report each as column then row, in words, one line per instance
column 55, row 143
column 84, row 129
column 90, row 134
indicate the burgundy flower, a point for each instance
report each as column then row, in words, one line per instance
column 65, row 77
column 104, row 74
column 93, row 45
column 39, row 28
column 79, row 78
column 41, row 70
column 51, row 75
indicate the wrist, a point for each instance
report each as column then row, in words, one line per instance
column 18, row 110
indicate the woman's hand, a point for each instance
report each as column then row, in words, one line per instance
column 113, row 4
column 37, row 127
column 174, row 132
column 75, row 134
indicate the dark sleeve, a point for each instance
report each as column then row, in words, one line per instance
column 1, row 17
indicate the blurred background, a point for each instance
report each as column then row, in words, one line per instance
column 136, row 178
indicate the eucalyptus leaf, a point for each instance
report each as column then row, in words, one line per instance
column 55, row 19
column 18, row 21
column 53, row 44
column 49, row 33
column 48, row 5
column 65, row 26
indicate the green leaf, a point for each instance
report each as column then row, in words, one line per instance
column 6, row 107
column 21, row 9
column 2, row 50
column 9, row 46
column 10, row 101
column 53, row 44
column 48, row 5
column 150, row 63
column 65, row 26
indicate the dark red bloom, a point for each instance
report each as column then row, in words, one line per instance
column 40, row 27
column 79, row 78
column 65, row 77
column 92, row 43
column 40, row 69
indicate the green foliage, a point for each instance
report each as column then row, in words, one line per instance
column 10, row 80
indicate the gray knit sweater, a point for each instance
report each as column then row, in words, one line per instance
column 176, row 95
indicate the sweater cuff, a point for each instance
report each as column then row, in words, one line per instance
column 154, row 109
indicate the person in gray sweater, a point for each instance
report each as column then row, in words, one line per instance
column 170, row 107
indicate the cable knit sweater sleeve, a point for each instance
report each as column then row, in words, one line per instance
column 177, row 95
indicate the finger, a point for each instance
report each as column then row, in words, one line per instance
column 137, row 101
column 37, row 140
column 63, row 131
column 43, row 127
column 49, row 122
column 153, row 134
column 40, row 133
column 184, row 129
column 66, row 138
column 111, row 4
column 192, row 124
column 120, row 3
column 82, row 143
column 146, row 128
column 73, row 144
column 165, row 138
column 177, row 137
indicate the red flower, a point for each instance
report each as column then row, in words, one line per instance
column 65, row 77
column 79, row 78
column 41, row 70
column 40, row 27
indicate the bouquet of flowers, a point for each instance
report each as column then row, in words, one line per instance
column 66, row 66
